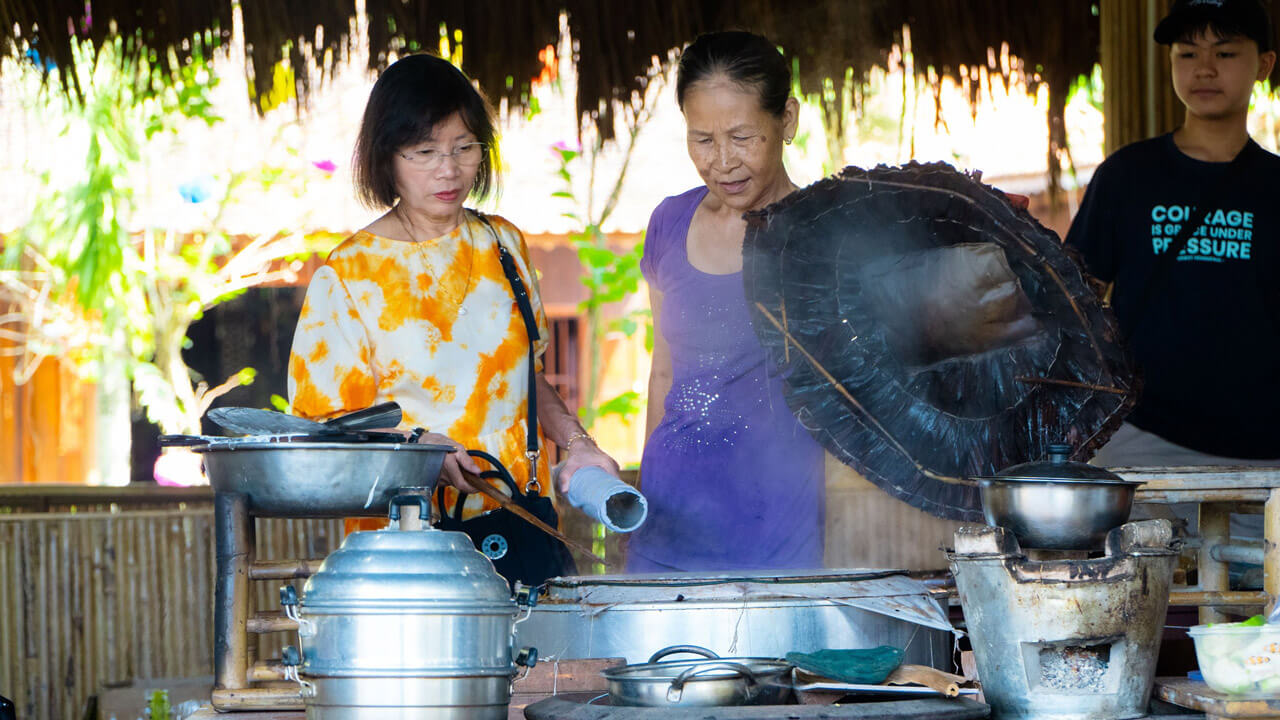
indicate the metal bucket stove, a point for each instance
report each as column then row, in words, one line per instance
column 1064, row 638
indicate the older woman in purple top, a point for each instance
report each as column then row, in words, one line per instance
column 733, row 481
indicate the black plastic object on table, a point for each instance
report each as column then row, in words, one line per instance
column 6, row 709
column 930, row 332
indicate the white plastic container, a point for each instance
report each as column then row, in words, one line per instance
column 1239, row 659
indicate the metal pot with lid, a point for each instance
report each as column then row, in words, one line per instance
column 409, row 623
column 1057, row 504
column 709, row 681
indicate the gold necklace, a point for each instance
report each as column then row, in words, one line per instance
column 471, row 252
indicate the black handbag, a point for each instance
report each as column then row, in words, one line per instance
column 520, row 552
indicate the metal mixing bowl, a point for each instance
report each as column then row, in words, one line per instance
column 1056, row 514
column 319, row 479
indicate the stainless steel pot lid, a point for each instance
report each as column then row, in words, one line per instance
column 709, row 666
column 1057, row 468
column 391, row 570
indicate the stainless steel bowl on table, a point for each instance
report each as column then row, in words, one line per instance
column 1057, row 504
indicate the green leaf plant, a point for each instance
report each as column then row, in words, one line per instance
column 609, row 274
column 82, row 283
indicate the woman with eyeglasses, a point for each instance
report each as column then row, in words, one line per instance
column 417, row 308
column 733, row 481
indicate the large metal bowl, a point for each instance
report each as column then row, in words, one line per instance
column 1057, row 514
column 319, row 479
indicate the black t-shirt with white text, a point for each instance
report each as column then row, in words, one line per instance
column 1207, row 343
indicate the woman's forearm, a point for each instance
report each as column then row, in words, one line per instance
column 559, row 424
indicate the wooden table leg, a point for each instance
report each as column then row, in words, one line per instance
column 1215, row 528
column 1271, row 547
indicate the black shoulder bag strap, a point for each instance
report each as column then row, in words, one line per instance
column 1209, row 199
column 531, row 329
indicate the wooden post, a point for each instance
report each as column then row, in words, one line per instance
column 1215, row 529
column 234, row 546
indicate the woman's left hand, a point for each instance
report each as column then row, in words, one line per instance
column 583, row 453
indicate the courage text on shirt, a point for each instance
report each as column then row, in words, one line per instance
column 1225, row 234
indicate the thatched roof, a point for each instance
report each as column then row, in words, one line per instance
column 615, row 42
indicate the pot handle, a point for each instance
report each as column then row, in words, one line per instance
column 291, row 658
column 410, row 498
column 676, row 691
column 691, row 649
column 289, row 604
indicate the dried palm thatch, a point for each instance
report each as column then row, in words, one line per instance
column 930, row 332
column 616, row 45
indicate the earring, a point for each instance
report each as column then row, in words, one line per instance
column 787, row 141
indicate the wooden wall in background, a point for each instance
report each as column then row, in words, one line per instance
column 1138, row 100
column 47, row 425
column 94, row 599
column 867, row 528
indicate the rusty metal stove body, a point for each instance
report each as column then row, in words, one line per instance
column 1067, row 638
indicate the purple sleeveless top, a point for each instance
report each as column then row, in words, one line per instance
column 732, row 479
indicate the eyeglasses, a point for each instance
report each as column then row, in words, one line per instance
column 468, row 155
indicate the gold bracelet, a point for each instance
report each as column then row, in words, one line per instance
column 568, row 444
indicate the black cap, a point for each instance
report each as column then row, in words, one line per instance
column 1246, row 17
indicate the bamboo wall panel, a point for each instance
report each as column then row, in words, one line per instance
column 95, row 599
column 868, row 528
column 1139, row 102
column 287, row 539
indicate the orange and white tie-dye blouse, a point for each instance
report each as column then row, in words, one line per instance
column 432, row 325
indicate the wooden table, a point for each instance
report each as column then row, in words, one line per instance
column 1219, row 491
column 1196, row 695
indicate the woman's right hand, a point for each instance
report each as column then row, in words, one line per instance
column 460, row 469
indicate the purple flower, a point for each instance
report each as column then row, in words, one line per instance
column 325, row 165
column 564, row 147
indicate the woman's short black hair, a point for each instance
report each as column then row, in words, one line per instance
column 745, row 58
column 407, row 101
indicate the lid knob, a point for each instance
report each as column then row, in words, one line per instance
column 1059, row 452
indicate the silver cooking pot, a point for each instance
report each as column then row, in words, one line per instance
column 405, row 624
column 1056, row 504
column 292, row 476
column 755, row 614
column 710, row 681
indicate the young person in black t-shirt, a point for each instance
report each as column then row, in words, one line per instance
column 1206, row 335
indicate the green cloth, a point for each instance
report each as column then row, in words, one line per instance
column 861, row 667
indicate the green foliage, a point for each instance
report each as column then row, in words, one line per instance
column 624, row 406
column 137, row 291
column 610, row 276
column 158, row 705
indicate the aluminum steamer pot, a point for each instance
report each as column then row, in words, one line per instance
column 1057, row 504
column 711, row 681
column 406, row 624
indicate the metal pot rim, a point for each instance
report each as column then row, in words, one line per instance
column 666, row 671
column 249, row 443
column 1041, row 480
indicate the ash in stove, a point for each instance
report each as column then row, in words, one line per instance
column 1075, row 667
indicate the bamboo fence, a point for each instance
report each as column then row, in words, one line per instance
column 97, row 599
